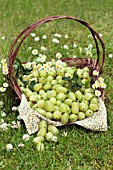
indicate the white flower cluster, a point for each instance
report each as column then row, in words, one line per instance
column 3, row 88
column 98, row 83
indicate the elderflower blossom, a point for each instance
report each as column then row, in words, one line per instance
column 95, row 73
column 58, row 55
column 97, row 93
column 35, row 52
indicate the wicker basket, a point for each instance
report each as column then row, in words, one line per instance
column 80, row 62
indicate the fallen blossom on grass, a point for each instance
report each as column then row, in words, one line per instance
column 26, row 137
column 9, row 147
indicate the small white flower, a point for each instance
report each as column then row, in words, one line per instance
column 90, row 46
column 36, row 38
column 58, row 55
column 103, row 85
column 28, row 65
column 14, row 108
column 43, row 48
column 2, row 121
column 66, row 36
column 66, row 47
column 94, row 86
column 97, row 93
column 13, row 123
column 101, row 80
column 3, row 114
column 89, row 35
column 64, row 134
column 1, row 103
column 95, row 73
column 55, row 40
column 9, row 147
column 21, row 145
column 5, row 72
column 44, row 37
column 3, row 61
column 74, row 45
column 40, row 55
column 74, row 56
column 33, row 34
column 97, row 84
column 100, row 35
column 16, row 125
column 80, row 49
column 3, row 126
column 5, row 84
column 58, row 35
column 39, row 67
column 26, row 137
column 3, row 37
column 35, row 52
column 18, row 117
column 2, row 89
column 48, row 64
column 59, row 62
column 33, row 64
column 29, row 48
column 110, row 55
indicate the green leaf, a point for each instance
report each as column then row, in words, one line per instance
column 79, row 83
column 66, row 78
column 31, row 86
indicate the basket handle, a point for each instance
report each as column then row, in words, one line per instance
column 28, row 30
column 13, row 51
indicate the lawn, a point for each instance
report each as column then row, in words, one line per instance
column 81, row 148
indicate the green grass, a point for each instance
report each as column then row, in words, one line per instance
column 81, row 148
